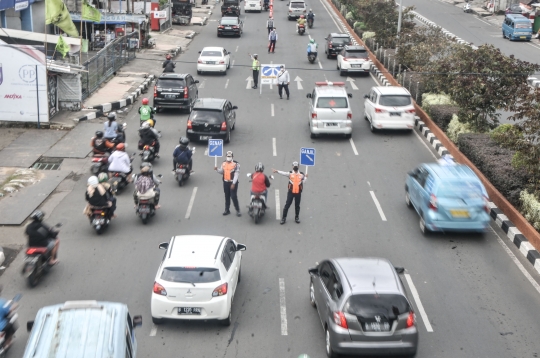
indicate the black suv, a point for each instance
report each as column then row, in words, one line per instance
column 211, row 118
column 335, row 43
column 175, row 90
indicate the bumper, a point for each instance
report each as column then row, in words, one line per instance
column 164, row 103
column 459, row 226
column 394, row 124
column 330, row 130
column 294, row 16
column 521, row 37
column 203, row 67
column 333, row 52
column 229, row 33
column 216, row 308
column 193, row 135
column 252, row 8
column 356, row 70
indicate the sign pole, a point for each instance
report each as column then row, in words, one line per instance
column 306, row 169
column 215, row 162
column 37, row 96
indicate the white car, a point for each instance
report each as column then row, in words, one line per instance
column 253, row 5
column 213, row 59
column 353, row 59
column 389, row 108
column 330, row 110
column 197, row 279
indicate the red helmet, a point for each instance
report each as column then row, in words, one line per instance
column 120, row 146
column 168, row 57
column 145, row 101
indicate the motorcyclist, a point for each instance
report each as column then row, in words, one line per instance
column 103, row 179
column 182, row 154
column 312, row 47
column 146, row 185
column 168, row 65
column 40, row 235
column 147, row 112
column 96, row 195
column 110, row 127
column 101, row 145
column 119, row 161
column 311, row 16
column 149, row 136
column 6, row 328
column 266, row 4
column 301, row 21
column 260, row 182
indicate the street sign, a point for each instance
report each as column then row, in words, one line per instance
column 307, row 157
column 215, row 148
column 269, row 73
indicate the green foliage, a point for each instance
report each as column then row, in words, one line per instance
column 441, row 114
column 506, row 135
column 359, row 25
column 163, row 2
column 530, row 208
column 367, row 35
column 431, row 99
column 349, row 16
column 455, row 128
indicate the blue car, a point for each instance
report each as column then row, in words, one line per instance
column 447, row 197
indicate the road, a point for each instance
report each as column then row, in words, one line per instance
column 479, row 299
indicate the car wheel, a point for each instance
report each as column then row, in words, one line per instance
column 225, row 72
column 227, row 321
column 372, row 127
column 158, row 110
column 157, row 320
column 328, row 56
column 233, row 126
column 503, row 35
column 228, row 138
column 199, row 72
column 365, row 117
column 422, row 224
column 329, row 352
column 228, row 65
column 313, row 136
column 218, row 35
column 312, row 294
column 337, row 66
column 407, row 198
column 348, row 136
column 342, row 73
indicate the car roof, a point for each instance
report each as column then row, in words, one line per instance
column 517, row 17
column 331, row 91
column 460, row 171
column 392, row 90
column 173, row 76
column 193, row 250
column 369, row 275
column 355, row 48
column 212, row 49
column 336, row 34
column 209, row 103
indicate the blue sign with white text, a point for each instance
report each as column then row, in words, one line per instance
column 307, row 156
column 215, row 147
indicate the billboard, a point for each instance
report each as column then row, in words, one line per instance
column 23, row 84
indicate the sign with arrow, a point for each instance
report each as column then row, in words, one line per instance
column 215, row 147
column 351, row 81
column 307, row 157
column 269, row 73
column 298, row 80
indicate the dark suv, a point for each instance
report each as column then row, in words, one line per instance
column 175, row 90
column 211, row 118
column 335, row 43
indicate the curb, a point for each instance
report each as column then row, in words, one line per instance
column 501, row 220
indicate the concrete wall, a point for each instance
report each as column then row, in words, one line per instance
column 13, row 19
column 38, row 16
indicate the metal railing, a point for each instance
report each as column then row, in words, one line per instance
column 168, row 22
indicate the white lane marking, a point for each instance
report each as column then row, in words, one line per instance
column 353, row 146
column 324, row 5
column 320, row 66
column 374, row 78
column 485, row 22
column 236, row 49
column 249, row 81
column 278, row 211
column 282, row 307
column 227, row 84
column 272, row 109
column 310, row 36
column 274, row 148
column 425, row 145
column 419, row 305
column 377, row 205
column 298, row 80
column 201, row 86
column 516, row 261
column 153, row 330
column 351, row 81
column 536, row 47
column 206, row 152
column 232, row 64
column 191, row 201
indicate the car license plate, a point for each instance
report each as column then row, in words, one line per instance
column 459, row 213
column 227, row 27
column 210, row 62
column 331, row 124
column 181, row 171
column 170, row 96
column 204, row 137
column 398, row 114
column 189, row 310
column 252, row 5
column 377, row 327
column 144, row 210
column 522, row 37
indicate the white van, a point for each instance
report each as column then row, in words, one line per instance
column 296, row 8
column 253, row 5
column 330, row 110
column 389, row 107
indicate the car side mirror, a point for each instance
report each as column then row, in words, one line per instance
column 199, row 51
column 196, row 81
column 228, row 53
column 314, row 271
column 29, row 325
column 241, row 247
column 349, row 95
column 308, row 95
column 399, row 270
column 164, row 246
column 366, row 96
column 137, row 321
column 235, row 107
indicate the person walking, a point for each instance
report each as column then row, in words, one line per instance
column 255, row 66
column 270, row 24
column 272, row 37
column 230, row 169
column 296, row 184
column 283, row 80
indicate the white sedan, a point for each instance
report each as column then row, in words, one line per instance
column 353, row 59
column 253, row 5
column 213, row 59
column 197, row 279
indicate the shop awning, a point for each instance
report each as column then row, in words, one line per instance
column 113, row 19
column 38, row 37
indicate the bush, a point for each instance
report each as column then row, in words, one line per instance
column 506, row 135
column 495, row 162
column 442, row 114
column 530, row 208
column 368, row 35
column 432, row 99
column 359, row 25
column 349, row 16
column 455, row 128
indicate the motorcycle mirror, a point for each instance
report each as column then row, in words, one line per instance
column 133, row 176
column 248, row 175
column 272, row 177
column 155, row 109
column 124, row 125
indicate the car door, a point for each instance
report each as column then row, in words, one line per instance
column 369, row 104
column 230, row 248
column 419, row 179
column 319, row 282
column 232, row 114
column 328, row 294
column 227, row 264
column 226, row 57
column 328, row 39
column 227, row 114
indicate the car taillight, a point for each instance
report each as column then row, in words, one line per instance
column 220, row 290
column 221, row 27
column 224, row 126
column 185, row 92
column 189, row 125
column 349, row 115
column 314, row 115
column 340, row 320
column 433, row 202
column 410, row 320
column 378, row 110
column 155, row 91
column 199, row 61
column 221, row 62
column 410, row 111
column 160, row 290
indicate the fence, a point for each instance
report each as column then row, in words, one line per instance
column 167, row 23
column 107, row 61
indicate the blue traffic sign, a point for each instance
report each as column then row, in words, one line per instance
column 215, row 147
column 270, row 70
column 307, row 156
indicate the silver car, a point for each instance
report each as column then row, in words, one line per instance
column 363, row 307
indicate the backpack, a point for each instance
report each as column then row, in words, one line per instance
column 143, row 184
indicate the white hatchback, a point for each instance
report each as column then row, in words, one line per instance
column 253, row 5
column 197, row 279
column 353, row 59
column 213, row 59
column 389, row 108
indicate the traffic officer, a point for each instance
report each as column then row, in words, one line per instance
column 296, row 184
column 255, row 66
column 230, row 170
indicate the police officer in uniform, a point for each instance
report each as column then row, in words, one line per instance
column 230, row 169
column 296, row 184
column 255, row 66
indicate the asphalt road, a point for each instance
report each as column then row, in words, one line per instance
column 477, row 299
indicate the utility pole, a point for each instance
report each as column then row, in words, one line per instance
column 399, row 23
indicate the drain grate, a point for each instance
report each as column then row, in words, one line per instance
column 46, row 163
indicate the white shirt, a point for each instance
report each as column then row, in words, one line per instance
column 283, row 77
column 119, row 161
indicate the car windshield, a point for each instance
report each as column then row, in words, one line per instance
column 356, row 54
column 369, row 305
column 298, row 5
column 212, row 53
column 206, row 116
column 459, row 189
column 170, row 83
column 232, row 21
column 190, row 274
column 332, row 102
column 341, row 40
column 395, row 101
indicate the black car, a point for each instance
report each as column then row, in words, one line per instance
column 211, row 118
column 230, row 26
column 335, row 43
column 175, row 90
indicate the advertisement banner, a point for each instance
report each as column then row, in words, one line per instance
column 23, row 84
column 160, row 14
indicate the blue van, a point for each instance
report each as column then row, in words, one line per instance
column 517, row 27
column 447, row 197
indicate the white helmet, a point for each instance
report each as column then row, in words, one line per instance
column 93, row 180
column 145, row 125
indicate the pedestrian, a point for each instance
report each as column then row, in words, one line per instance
column 230, row 170
column 255, row 66
column 270, row 24
column 283, row 80
column 296, row 184
column 272, row 37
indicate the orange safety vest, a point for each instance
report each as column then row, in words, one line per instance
column 228, row 170
column 295, row 182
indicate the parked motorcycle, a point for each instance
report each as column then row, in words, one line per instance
column 100, row 219
column 36, row 262
column 183, row 172
column 148, row 153
column 257, row 205
column 310, row 22
column 301, row 29
column 146, row 207
column 467, row 8
column 100, row 163
column 12, row 318
column 312, row 56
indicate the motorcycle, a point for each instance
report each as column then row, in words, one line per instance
column 467, row 8
column 257, row 205
column 148, row 153
column 301, row 29
column 36, row 262
column 312, row 56
column 12, row 318
column 100, row 219
column 100, row 163
column 146, row 207
column 266, row 6
column 118, row 180
column 183, row 172
column 310, row 22
column 120, row 134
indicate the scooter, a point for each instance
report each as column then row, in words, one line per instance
column 146, row 207
column 301, row 29
column 12, row 318
column 148, row 153
column 467, row 8
column 118, row 180
column 266, row 6
column 310, row 22
column 312, row 56
column 100, row 219
column 183, row 172
column 36, row 262
column 100, row 163
column 257, row 205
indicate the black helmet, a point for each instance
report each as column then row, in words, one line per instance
column 99, row 134
column 259, row 167
column 184, row 142
column 146, row 165
column 37, row 215
column 112, row 116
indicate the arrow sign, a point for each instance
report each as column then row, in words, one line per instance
column 249, row 82
column 307, row 156
column 298, row 80
column 351, row 81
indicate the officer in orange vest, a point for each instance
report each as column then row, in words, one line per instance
column 230, row 170
column 296, row 184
